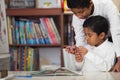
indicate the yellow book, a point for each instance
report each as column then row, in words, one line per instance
column 9, row 30
column 65, row 8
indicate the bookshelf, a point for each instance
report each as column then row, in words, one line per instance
column 67, row 19
column 35, row 13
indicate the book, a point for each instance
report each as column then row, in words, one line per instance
column 9, row 30
column 50, row 30
column 45, row 29
column 13, row 30
column 22, row 32
column 29, row 33
column 30, row 59
column 57, row 72
column 22, row 59
column 44, row 33
column 25, row 59
column 35, row 66
column 36, row 37
column 39, row 33
column 21, row 4
column 17, row 31
column 48, row 3
column 54, row 27
column 65, row 7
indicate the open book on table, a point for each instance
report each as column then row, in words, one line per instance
column 57, row 72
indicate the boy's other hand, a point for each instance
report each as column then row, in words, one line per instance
column 117, row 66
column 78, row 57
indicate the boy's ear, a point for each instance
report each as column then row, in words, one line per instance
column 102, row 35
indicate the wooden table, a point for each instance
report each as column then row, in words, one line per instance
column 85, row 76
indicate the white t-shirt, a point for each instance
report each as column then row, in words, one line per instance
column 104, row 8
column 99, row 58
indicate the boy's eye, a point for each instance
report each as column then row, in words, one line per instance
column 89, row 35
column 80, row 12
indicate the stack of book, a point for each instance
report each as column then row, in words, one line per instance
column 25, row 31
column 33, row 3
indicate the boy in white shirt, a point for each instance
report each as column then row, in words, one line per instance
column 82, row 9
column 99, row 54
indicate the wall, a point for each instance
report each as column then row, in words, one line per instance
column 117, row 3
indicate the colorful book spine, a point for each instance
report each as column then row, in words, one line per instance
column 17, row 31
column 46, row 39
column 9, row 30
column 22, row 32
column 55, row 30
column 45, row 30
column 13, row 29
column 35, row 38
column 39, row 34
column 50, row 31
column 29, row 31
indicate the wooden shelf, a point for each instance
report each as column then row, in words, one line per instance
column 35, row 45
column 33, row 11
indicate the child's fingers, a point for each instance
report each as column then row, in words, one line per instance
column 78, row 57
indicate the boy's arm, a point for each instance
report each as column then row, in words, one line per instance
column 78, row 29
column 113, row 15
column 104, row 63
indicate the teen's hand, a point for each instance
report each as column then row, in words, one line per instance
column 117, row 66
column 70, row 49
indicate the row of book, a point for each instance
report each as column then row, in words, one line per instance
column 26, row 31
column 33, row 3
column 39, row 4
column 24, row 59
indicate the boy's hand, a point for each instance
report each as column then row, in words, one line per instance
column 117, row 66
column 82, row 50
column 78, row 57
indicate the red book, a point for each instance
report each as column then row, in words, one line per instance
column 50, row 31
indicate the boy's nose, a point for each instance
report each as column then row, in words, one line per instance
column 79, row 15
column 86, row 39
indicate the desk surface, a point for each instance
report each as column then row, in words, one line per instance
column 85, row 76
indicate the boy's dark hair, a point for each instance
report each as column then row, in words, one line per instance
column 78, row 3
column 97, row 24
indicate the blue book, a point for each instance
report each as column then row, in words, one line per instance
column 30, row 35
column 22, row 32
column 39, row 33
column 44, row 32
column 17, row 31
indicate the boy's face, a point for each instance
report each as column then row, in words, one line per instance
column 82, row 13
column 93, row 38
